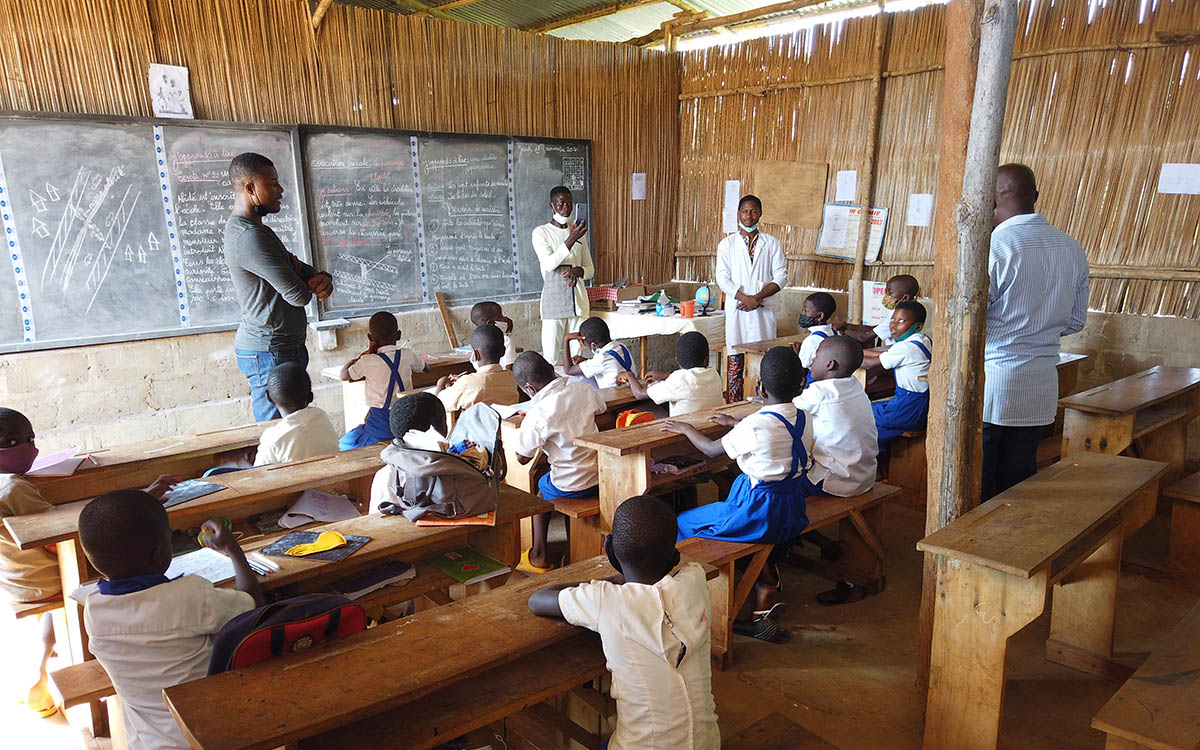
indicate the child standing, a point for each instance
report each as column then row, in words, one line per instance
column 654, row 627
column 909, row 357
column 490, row 384
column 305, row 430
column 693, row 387
column 610, row 359
column 149, row 632
column 558, row 411
column 388, row 372
column 816, row 314
column 491, row 314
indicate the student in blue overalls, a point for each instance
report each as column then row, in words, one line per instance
column 766, row 504
column 815, row 315
column 388, row 371
column 610, row 359
column 909, row 357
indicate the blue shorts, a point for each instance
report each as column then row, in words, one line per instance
column 549, row 492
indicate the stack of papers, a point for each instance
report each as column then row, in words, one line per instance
column 313, row 505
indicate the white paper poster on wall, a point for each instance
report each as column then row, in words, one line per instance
column 920, row 209
column 1179, row 179
column 874, row 312
column 839, row 231
column 170, row 93
column 639, row 186
column 733, row 191
column 847, row 186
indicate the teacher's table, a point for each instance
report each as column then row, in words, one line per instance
column 637, row 326
column 354, row 393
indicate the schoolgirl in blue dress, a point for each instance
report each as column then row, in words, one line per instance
column 388, row 371
column 909, row 357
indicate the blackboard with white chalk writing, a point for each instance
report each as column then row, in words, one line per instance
column 399, row 216
column 113, row 227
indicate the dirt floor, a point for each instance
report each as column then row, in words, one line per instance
column 848, row 673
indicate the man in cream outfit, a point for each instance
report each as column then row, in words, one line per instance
column 566, row 262
column 751, row 270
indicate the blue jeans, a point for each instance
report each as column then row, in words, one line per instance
column 257, row 366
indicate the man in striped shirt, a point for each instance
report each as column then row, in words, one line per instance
column 1038, row 292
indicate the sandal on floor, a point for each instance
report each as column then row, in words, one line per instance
column 775, row 610
column 43, row 710
column 764, row 629
column 845, row 593
column 527, row 567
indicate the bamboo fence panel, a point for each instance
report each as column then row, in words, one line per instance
column 1095, row 108
column 259, row 61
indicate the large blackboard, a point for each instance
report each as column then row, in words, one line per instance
column 398, row 216
column 113, row 229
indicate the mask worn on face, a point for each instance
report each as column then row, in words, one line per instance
column 889, row 302
column 909, row 332
column 751, row 228
column 18, row 459
column 806, row 321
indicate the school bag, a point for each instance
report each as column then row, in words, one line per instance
column 443, row 484
column 287, row 626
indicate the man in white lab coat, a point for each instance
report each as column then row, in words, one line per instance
column 751, row 270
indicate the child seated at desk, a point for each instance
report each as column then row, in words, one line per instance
column 388, row 372
column 558, row 411
column 654, row 629
column 149, row 632
column 491, row 314
column 772, row 447
column 304, row 430
column 490, row 384
column 609, row 359
column 898, row 289
column 909, row 357
column 818, row 310
column 693, row 387
column 31, row 575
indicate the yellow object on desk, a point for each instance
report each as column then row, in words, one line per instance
column 326, row 541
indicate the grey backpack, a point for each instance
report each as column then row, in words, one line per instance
column 443, row 484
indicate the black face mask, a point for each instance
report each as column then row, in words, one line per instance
column 806, row 321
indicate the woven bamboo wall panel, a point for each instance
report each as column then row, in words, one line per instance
column 1095, row 108
column 258, row 61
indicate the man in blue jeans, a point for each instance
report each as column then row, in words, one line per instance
column 272, row 284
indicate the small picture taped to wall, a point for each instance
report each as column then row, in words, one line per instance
column 169, row 92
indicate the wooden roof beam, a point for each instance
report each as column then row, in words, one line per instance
column 456, row 4
column 427, row 9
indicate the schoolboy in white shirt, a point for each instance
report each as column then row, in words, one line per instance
column 388, row 371
column 909, row 357
column 818, row 310
column 654, row 628
column 609, row 360
column 149, row 632
column 558, row 411
column 304, row 430
column 693, row 387
column 490, row 313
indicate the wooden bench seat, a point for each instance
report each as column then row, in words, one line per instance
column 1159, row 707
column 32, row 609
column 80, row 683
column 776, row 732
column 1184, row 555
column 907, row 468
column 585, row 536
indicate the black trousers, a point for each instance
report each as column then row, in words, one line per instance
column 1009, row 456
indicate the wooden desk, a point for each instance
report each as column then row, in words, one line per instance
column 1184, row 555
column 1061, row 528
column 754, row 351
column 1146, row 414
column 138, row 464
column 247, row 708
column 879, row 383
column 1068, row 371
column 642, row 327
column 624, row 455
column 354, row 393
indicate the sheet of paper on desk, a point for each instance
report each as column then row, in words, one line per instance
column 61, row 464
column 505, row 410
column 204, row 562
column 190, row 489
column 313, row 505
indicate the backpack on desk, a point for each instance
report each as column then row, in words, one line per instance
column 295, row 624
column 444, row 484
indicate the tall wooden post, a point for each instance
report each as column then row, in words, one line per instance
column 883, row 29
column 979, row 39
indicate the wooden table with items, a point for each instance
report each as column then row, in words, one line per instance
column 642, row 327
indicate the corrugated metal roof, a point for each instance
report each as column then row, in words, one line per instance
column 621, row 26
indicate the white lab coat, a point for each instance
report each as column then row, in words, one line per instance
column 735, row 272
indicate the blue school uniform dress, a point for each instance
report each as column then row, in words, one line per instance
column 908, row 409
column 378, row 427
column 808, row 347
column 766, row 504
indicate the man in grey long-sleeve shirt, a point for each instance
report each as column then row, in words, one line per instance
column 272, row 284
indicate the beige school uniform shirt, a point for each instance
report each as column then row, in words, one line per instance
column 155, row 638
column 377, row 373
column 656, row 641
column 300, row 435
column 26, row 575
column 492, row 384
column 688, row 390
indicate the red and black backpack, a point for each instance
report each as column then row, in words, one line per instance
column 295, row 624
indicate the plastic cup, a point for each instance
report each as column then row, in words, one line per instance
column 687, row 308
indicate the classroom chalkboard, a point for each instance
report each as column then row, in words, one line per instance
column 113, row 228
column 398, row 216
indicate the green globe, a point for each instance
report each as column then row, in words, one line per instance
column 704, row 296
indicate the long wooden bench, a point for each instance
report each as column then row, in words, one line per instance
column 32, row 609
column 1159, row 707
column 1184, row 555
column 1061, row 530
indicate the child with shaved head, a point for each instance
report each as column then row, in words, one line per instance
column 388, row 371
column 305, row 430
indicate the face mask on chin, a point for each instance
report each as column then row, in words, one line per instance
column 752, row 228
column 560, row 220
column 912, row 329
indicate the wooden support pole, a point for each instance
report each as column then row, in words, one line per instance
column 979, row 39
column 883, row 27
column 447, row 321
column 319, row 13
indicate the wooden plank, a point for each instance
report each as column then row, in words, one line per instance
column 1022, row 530
column 1159, row 416
column 447, row 321
column 776, row 732
column 578, row 507
column 1156, row 708
column 80, row 683
column 30, row 609
column 1186, row 489
column 1136, row 392
column 645, row 437
column 761, row 347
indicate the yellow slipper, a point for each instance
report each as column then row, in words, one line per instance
column 41, row 704
column 326, row 541
column 527, row 567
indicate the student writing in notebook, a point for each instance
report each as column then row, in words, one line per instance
column 489, row 384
